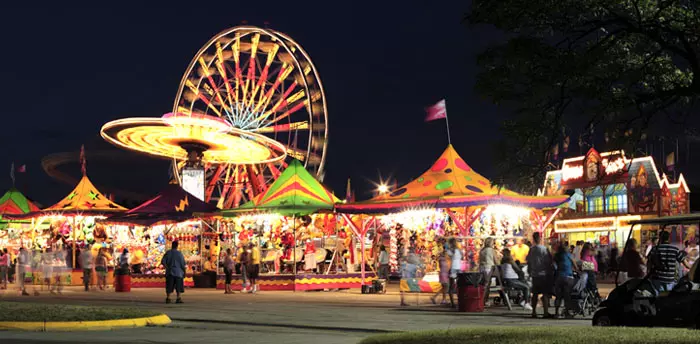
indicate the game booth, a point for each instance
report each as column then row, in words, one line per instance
column 63, row 229
column 450, row 200
column 147, row 232
column 302, row 247
column 12, row 232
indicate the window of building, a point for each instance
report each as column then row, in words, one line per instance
column 616, row 204
column 595, row 205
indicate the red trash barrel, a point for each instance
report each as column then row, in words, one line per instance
column 475, row 299
column 122, row 283
column 470, row 292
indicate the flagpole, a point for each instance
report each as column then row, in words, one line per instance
column 447, row 123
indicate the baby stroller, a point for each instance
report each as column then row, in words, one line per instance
column 584, row 298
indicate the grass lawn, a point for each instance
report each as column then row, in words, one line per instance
column 25, row 311
column 541, row 335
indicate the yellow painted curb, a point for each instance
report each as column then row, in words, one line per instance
column 84, row 325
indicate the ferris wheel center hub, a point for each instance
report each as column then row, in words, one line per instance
column 175, row 135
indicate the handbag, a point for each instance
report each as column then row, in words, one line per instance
column 587, row 266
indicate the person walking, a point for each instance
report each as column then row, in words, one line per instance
column 87, row 263
column 229, row 267
column 632, row 261
column 455, row 256
column 47, row 268
column 409, row 270
column 539, row 266
column 253, row 268
column 3, row 269
column 383, row 263
column 564, row 281
column 589, row 265
column 487, row 262
column 22, row 268
column 101, row 268
column 174, row 263
column 243, row 258
column 444, row 276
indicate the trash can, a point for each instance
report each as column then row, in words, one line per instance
column 470, row 292
column 122, row 282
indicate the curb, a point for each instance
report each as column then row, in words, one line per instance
column 157, row 320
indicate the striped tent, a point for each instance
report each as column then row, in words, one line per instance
column 295, row 192
column 449, row 183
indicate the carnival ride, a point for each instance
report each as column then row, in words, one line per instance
column 263, row 83
column 249, row 101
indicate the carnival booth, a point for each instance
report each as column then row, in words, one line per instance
column 293, row 226
column 450, row 200
column 608, row 191
column 148, row 230
column 15, row 233
column 69, row 226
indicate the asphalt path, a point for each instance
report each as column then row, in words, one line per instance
column 268, row 317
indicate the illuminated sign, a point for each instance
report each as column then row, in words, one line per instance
column 193, row 181
column 594, row 167
column 596, row 224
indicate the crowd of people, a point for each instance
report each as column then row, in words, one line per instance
column 535, row 269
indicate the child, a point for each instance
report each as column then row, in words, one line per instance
column 444, row 279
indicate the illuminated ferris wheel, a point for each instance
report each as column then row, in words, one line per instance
column 261, row 82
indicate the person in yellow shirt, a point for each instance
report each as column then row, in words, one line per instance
column 519, row 251
column 253, row 269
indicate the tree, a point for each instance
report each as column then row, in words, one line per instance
column 624, row 68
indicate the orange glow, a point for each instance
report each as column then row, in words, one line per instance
column 164, row 136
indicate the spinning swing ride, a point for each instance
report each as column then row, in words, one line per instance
column 249, row 102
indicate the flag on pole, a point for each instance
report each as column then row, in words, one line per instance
column 671, row 161
column 437, row 111
column 83, row 168
column 22, row 169
column 349, row 196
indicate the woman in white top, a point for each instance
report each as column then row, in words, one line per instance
column 511, row 278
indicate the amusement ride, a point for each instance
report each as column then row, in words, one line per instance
column 249, row 102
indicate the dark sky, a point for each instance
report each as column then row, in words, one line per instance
column 67, row 71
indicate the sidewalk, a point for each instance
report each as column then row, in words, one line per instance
column 289, row 317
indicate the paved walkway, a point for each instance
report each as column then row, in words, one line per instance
column 301, row 317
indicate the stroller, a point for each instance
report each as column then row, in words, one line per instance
column 584, row 298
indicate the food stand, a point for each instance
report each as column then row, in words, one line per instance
column 149, row 230
column 292, row 219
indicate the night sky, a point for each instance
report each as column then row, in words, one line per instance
column 68, row 71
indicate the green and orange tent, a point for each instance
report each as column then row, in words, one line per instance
column 295, row 192
column 13, row 202
column 449, row 183
column 85, row 199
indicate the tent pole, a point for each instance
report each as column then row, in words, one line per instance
column 294, row 252
column 74, row 230
column 363, row 230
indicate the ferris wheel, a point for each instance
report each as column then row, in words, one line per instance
column 261, row 82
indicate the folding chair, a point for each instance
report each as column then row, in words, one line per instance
column 498, row 286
